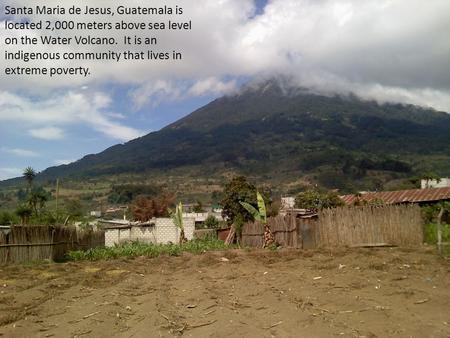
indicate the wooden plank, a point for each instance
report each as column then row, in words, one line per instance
column 374, row 245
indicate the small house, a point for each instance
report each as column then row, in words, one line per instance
column 157, row 231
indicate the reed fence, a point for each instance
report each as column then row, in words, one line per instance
column 400, row 225
column 37, row 243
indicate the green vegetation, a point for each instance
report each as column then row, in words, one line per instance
column 431, row 212
column 137, row 249
column 259, row 214
column 431, row 233
column 198, row 207
column 236, row 191
column 315, row 200
column 7, row 218
column 211, row 222
column 126, row 193
column 36, row 203
column 437, row 216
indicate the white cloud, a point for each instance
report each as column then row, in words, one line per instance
column 47, row 133
column 154, row 93
column 212, row 86
column 376, row 48
column 63, row 162
column 90, row 109
column 6, row 173
column 20, row 152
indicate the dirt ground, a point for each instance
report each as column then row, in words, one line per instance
column 348, row 293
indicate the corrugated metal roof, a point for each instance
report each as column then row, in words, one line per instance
column 401, row 196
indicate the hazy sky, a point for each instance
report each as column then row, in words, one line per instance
column 388, row 50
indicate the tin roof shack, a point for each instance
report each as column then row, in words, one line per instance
column 416, row 196
column 157, row 231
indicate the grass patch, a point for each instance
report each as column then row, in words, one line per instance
column 137, row 249
column 431, row 233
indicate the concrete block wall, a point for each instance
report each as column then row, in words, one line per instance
column 143, row 234
column 163, row 232
column 166, row 231
column 116, row 236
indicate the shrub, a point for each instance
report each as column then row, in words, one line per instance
column 211, row 222
column 431, row 233
column 6, row 218
column 317, row 200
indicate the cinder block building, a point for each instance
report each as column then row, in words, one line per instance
column 158, row 231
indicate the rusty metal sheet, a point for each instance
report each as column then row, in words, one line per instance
column 401, row 196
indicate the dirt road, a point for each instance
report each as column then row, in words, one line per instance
column 359, row 293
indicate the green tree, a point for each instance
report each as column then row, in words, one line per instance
column 198, row 207
column 315, row 200
column 6, row 218
column 29, row 174
column 24, row 212
column 236, row 191
column 37, row 198
column 211, row 222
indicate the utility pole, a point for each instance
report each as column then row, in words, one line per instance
column 57, row 197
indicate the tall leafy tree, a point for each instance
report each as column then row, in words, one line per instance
column 315, row 200
column 236, row 191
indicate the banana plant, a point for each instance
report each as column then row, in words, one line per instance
column 177, row 218
column 259, row 214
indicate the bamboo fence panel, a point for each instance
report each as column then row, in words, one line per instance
column 28, row 244
column 399, row 225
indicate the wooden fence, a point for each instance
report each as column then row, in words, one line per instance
column 36, row 243
column 349, row 226
column 284, row 229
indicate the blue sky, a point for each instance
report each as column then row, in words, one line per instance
column 376, row 49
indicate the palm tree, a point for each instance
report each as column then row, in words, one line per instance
column 29, row 173
column 177, row 217
column 260, row 215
